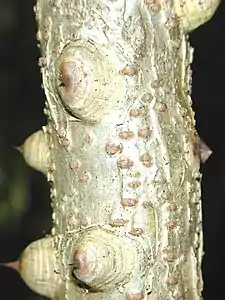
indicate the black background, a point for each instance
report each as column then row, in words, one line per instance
column 21, row 113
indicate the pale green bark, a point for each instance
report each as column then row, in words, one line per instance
column 124, row 157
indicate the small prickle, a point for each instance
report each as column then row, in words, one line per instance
column 36, row 151
column 204, row 151
column 194, row 13
column 36, row 267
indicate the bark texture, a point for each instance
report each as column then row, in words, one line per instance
column 120, row 150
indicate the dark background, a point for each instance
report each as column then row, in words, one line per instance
column 21, row 113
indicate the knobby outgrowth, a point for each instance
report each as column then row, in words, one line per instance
column 120, row 151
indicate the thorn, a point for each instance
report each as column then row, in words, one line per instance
column 18, row 148
column 205, row 151
column 15, row 265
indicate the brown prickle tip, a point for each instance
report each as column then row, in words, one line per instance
column 204, row 151
column 15, row 265
column 18, row 148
